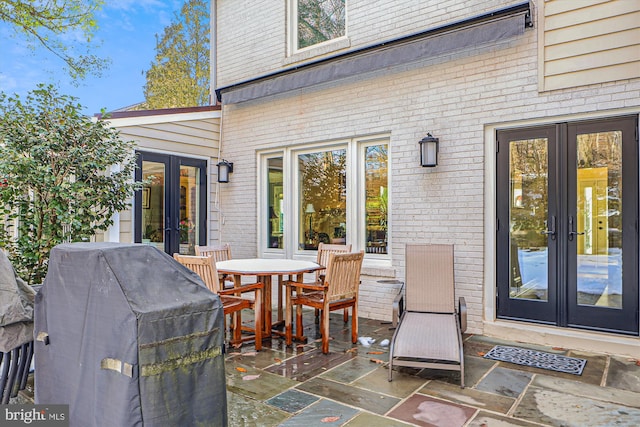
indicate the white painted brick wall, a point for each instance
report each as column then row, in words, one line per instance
column 453, row 98
column 252, row 34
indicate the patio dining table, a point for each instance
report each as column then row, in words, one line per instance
column 264, row 269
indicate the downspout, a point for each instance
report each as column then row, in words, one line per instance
column 213, row 55
column 213, row 52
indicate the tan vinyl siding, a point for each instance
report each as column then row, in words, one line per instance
column 588, row 42
column 183, row 135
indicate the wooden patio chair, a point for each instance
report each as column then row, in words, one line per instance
column 429, row 334
column 339, row 291
column 324, row 250
column 205, row 267
column 219, row 253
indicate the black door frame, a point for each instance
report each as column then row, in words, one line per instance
column 561, row 308
column 172, row 198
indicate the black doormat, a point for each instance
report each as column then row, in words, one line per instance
column 537, row 359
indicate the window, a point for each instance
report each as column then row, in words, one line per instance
column 376, row 198
column 316, row 21
column 322, row 198
column 275, row 223
column 336, row 193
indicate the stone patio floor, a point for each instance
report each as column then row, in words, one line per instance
column 300, row 386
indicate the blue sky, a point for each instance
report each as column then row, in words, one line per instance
column 126, row 34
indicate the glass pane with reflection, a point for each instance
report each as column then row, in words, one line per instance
column 153, row 209
column 528, row 213
column 599, row 219
column 275, row 221
column 376, row 198
column 323, row 198
column 189, row 209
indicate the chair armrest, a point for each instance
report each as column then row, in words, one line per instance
column 309, row 286
column 398, row 307
column 244, row 288
column 462, row 312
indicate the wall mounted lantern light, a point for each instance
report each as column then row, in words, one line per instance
column 224, row 169
column 429, row 151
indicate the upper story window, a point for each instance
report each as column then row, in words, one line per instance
column 316, row 21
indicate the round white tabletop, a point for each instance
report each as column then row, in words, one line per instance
column 265, row 266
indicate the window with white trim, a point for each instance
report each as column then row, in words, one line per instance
column 313, row 22
column 335, row 193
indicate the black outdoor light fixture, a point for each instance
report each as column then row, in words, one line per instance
column 224, row 169
column 429, row 151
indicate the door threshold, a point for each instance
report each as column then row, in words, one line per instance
column 553, row 336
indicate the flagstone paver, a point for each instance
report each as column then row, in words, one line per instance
column 402, row 385
column 426, row 411
column 292, row 401
column 371, row 401
column 505, row 382
column 624, row 373
column 468, row 396
column 246, row 412
column 322, row 413
column 562, row 409
column 365, row 419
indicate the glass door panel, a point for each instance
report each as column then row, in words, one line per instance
column 602, row 235
column 599, row 219
column 529, row 210
column 526, row 234
column 153, row 203
column 189, row 209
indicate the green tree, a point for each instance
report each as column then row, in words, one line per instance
column 62, row 176
column 50, row 23
column 179, row 76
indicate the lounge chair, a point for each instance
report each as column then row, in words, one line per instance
column 429, row 334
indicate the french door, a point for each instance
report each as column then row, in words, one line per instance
column 567, row 213
column 170, row 210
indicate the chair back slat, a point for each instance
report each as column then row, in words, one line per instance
column 429, row 278
column 219, row 253
column 324, row 250
column 203, row 266
column 343, row 275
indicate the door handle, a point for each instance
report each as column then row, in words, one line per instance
column 551, row 228
column 572, row 231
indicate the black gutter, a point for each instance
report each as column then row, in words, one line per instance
column 512, row 10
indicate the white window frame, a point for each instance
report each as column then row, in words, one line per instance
column 318, row 48
column 355, row 205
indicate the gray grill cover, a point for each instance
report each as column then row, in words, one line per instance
column 127, row 336
column 16, row 308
